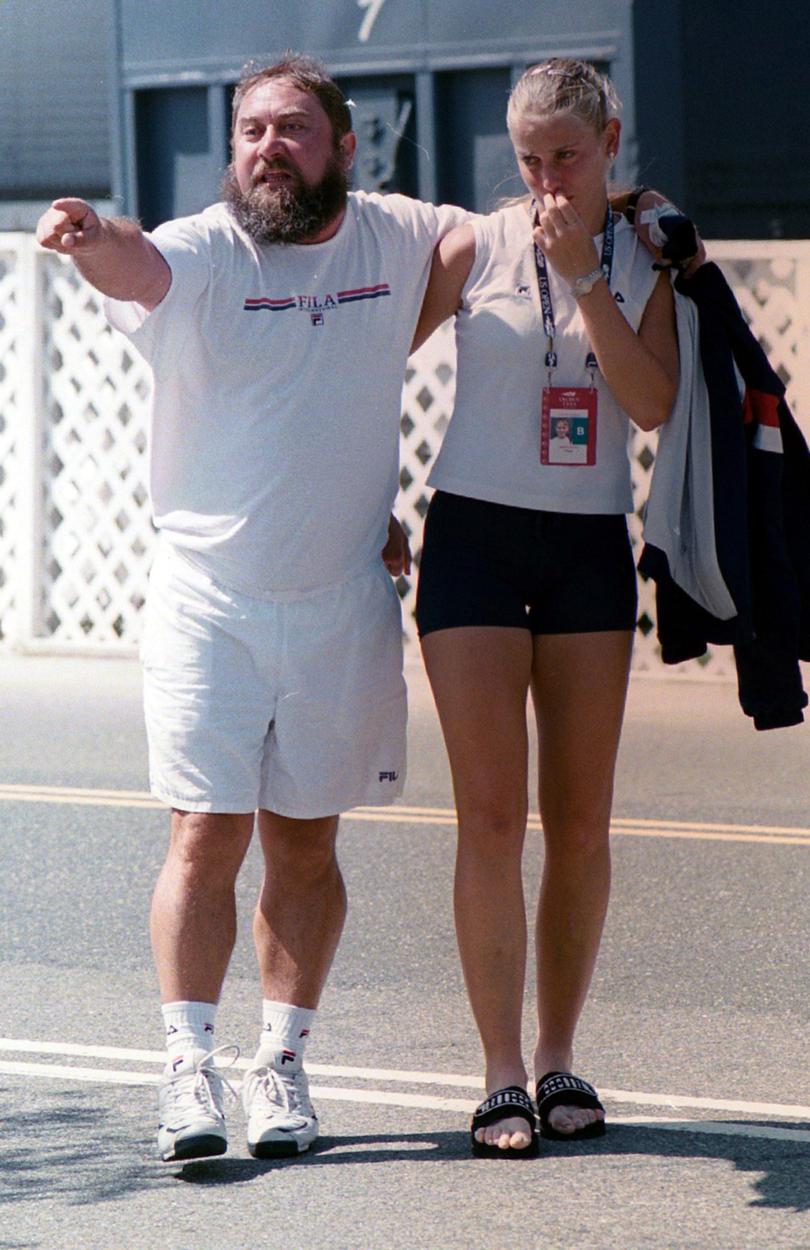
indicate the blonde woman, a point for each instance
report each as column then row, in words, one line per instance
column 527, row 581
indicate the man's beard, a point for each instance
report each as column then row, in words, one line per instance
column 293, row 211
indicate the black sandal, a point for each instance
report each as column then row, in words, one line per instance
column 558, row 1089
column 503, row 1104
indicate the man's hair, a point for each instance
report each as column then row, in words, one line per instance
column 308, row 75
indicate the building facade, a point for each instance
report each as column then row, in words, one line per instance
column 128, row 101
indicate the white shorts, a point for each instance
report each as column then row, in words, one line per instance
column 296, row 706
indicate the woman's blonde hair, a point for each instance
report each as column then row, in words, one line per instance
column 562, row 85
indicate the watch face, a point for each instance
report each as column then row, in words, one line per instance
column 585, row 284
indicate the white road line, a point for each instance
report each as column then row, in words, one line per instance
column 332, row 1093
column 786, row 1110
column 717, row 1128
column 66, row 1072
column 21, row 1046
column 393, row 1075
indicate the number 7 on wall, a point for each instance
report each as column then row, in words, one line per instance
column 373, row 7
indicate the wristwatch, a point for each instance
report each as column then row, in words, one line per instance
column 585, row 284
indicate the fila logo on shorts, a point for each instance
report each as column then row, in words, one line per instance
column 390, row 776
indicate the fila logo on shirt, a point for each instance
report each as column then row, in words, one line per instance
column 316, row 305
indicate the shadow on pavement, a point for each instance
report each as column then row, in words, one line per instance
column 70, row 1147
column 370, row 1148
column 73, row 1148
column 784, row 1183
column 785, row 1165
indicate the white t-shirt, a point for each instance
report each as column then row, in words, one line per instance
column 278, row 371
column 491, row 449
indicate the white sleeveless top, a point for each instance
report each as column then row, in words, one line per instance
column 491, row 449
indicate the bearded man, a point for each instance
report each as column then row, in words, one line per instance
column 277, row 324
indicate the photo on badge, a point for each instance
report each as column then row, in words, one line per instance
column 568, row 427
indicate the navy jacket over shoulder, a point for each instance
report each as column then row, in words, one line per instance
column 761, row 486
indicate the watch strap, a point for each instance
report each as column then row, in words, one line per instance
column 585, row 284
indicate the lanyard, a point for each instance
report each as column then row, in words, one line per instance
column 549, row 325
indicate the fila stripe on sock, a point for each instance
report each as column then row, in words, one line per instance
column 284, row 1034
column 189, row 1026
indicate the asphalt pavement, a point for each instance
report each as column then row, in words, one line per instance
column 696, row 1030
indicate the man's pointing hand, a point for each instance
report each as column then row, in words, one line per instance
column 68, row 226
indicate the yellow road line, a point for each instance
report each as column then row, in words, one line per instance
column 618, row 827
column 621, row 826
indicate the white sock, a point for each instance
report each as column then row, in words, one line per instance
column 284, row 1035
column 189, row 1026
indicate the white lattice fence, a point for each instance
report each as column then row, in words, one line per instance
column 12, row 371
column 75, row 535
column 98, row 534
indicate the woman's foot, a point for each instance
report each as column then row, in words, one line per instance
column 569, row 1107
column 505, row 1124
column 566, row 1119
column 507, row 1132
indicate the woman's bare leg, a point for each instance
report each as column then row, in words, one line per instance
column 579, row 684
column 480, row 678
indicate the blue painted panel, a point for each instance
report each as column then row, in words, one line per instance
column 54, row 126
column 555, row 24
column 205, row 37
column 446, row 142
column 177, row 175
column 384, row 120
column 746, row 94
column 476, row 165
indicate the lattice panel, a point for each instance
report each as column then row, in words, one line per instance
column 97, row 527
column 767, row 290
column 10, row 418
column 96, row 533
column 427, row 405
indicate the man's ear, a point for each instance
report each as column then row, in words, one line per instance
column 348, row 146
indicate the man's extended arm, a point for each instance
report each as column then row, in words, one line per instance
column 113, row 255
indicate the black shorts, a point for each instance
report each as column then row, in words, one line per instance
column 548, row 572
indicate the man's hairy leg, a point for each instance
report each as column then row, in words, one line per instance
column 301, row 909
column 193, row 921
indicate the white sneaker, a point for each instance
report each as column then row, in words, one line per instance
column 191, row 1096
column 281, row 1119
